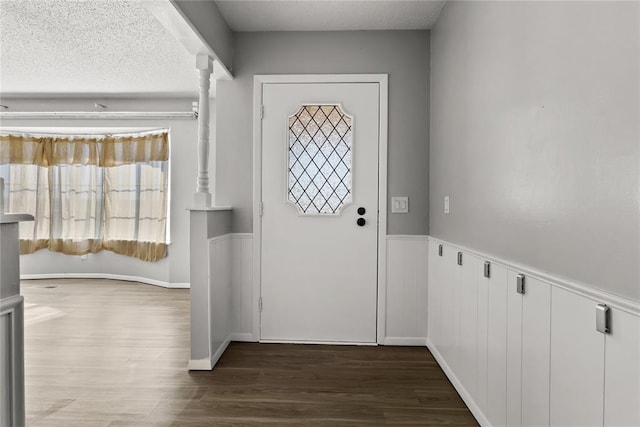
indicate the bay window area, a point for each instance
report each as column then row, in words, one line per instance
column 89, row 193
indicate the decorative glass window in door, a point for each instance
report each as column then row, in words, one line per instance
column 320, row 159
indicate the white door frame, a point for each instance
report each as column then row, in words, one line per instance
column 258, row 82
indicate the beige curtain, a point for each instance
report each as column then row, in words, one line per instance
column 27, row 188
column 105, row 151
column 90, row 193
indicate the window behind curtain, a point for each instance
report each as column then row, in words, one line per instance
column 87, row 195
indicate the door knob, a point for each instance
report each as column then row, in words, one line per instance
column 361, row 222
column 362, row 211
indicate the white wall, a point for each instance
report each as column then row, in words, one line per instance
column 535, row 137
column 183, row 136
column 404, row 55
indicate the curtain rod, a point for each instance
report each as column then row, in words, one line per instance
column 11, row 130
column 98, row 115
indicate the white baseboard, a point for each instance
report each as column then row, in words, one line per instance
column 200, row 365
column 404, row 341
column 464, row 394
column 168, row 285
column 243, row 337
column 175, row 285
column 363, row 344
column 218, row 354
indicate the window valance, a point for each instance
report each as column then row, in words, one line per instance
column 103, row 150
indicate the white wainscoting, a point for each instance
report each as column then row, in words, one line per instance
column 243, row 302
column 532, row 359
column 220, row 295
column 406, row 299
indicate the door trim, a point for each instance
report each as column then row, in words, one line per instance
column 382, row 80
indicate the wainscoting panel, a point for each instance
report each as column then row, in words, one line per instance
column 497, row 347
column 536, row 352
column 406, row 299
column 514, row 352
column 577, row 361
column 243, row 300
column 220, row 294
column 538, row 359
column 482, row 352
column 622, row 368
column 467, row 283
column 435, row 290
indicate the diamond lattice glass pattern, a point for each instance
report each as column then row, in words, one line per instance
column 320, row 140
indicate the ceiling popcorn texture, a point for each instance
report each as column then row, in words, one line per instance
column 90, row 47
column 330, row 15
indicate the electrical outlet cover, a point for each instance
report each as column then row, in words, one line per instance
column 399, row 205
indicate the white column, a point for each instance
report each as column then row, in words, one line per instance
column 204, row 65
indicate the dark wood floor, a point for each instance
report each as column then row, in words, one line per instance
column 106, row 353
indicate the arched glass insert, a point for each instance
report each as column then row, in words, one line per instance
column 320, row 159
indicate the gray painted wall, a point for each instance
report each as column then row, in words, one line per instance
column 174, row 268
column 404, row 55
column 535, row 136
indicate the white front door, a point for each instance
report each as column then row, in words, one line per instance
column 320, row 212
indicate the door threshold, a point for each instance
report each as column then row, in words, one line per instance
column 369, row 344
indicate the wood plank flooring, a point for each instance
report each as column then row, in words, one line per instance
column 110, row 353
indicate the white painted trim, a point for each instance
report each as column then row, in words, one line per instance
column 220, row 237
column 200, row 365
column 7, row 218
column 382, row 80
column 218, row 354
column 382, row 205
column 319, row 78
column 404, row 341
column 257, row 200
column 144, row 280
column 408, row 237
column 468, row 400
column 621, row 303
column 243, row 235
column 365, row 344
column 9, row 304
column 242, row 337
column 211, row 209
column 178, row 285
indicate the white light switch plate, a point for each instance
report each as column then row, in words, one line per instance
column 399, row 205
column 446, row 204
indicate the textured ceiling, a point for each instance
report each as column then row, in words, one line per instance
column 89, row 47
column 323, row 15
